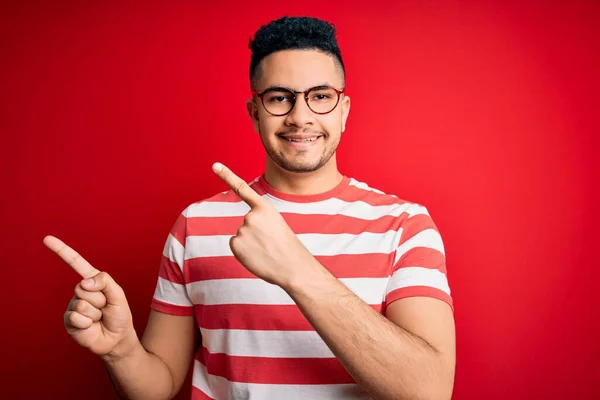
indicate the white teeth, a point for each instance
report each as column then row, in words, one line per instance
column 302, row 140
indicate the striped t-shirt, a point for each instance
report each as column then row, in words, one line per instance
column 256, row 344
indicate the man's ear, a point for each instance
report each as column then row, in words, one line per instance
column 345, row 111
column 253, row 113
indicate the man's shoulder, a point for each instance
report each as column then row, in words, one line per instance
column 414, row 218
column 227, row 201
column 362, row 191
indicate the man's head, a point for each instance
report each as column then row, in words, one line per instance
column 300, row 132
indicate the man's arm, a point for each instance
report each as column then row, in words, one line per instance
column 98, row 318
column 408, row 355
column 156, row 367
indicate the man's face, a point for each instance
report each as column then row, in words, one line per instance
column 302, row 140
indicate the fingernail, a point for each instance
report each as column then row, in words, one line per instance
column 89, row 282
column 217, row 167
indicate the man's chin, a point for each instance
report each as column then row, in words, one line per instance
column 299, row 167
column 297, row 163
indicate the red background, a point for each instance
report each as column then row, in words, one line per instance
column 486, row 112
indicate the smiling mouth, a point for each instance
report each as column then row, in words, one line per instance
column 307, row 140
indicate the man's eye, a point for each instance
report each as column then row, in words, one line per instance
column 321, row 96
column 277, row 99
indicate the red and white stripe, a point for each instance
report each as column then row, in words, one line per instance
column 255, row 341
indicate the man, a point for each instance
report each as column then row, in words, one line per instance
column 304, row 283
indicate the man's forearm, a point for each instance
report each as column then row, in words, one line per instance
column 385, row 360
column 140, row 374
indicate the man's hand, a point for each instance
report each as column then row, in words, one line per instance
column 264, row 243
column 98, row 316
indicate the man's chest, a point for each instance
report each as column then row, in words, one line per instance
column 226, row 295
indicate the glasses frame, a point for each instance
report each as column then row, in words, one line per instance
column 294, row 93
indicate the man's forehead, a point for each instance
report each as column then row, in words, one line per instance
column 298, row 69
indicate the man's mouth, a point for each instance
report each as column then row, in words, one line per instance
column 301, row 140
column 311, row 139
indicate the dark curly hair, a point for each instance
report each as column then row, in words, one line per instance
column 289, row 33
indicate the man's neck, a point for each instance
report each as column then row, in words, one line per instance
column 306, row 183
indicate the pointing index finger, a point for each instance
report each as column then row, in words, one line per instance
column 238, row 185
column 71, row 257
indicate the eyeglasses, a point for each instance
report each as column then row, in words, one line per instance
column 280, row 101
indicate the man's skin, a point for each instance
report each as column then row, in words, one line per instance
column 407, row 354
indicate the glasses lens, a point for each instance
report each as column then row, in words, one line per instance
column 278, row 101
column 322, row 100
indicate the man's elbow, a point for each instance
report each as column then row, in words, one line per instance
column 430, row 391
column 440, row 392
column 439, row 386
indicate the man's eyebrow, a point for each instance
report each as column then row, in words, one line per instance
column 323, row 86
column 272, row 87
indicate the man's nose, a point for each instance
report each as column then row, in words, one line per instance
column 301, row 115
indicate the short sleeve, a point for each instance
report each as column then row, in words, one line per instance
column 170, row 294
column 419, row 267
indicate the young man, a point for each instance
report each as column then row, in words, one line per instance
column 304, row 284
